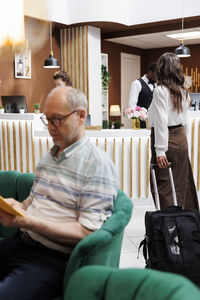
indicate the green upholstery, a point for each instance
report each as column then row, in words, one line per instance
column 24, row 184
column 102, row 247
column 105, row 283
column 15, row 185
column 8, row 181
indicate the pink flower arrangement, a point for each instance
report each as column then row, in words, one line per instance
column 136, row 112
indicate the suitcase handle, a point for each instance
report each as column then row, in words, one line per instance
column 155, row 187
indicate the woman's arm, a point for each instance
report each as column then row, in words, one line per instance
column 160, row 121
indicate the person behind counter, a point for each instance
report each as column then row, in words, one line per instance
column 62, row 78
column 167, row 116
column 141, row 92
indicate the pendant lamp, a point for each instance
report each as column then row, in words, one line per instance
column 51, row 62
column 182, row 50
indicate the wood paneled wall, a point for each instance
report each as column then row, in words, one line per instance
column 114, row 66
column 74, row 56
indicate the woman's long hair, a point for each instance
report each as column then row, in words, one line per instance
column 169, row 74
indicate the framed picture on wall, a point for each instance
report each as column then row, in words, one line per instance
column 23, row 65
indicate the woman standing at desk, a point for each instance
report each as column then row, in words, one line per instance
column 167, row 116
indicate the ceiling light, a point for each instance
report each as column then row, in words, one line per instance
column 182, row 51
column 51, row 62
column 185, row 35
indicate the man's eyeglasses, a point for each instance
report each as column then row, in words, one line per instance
column 56, row 122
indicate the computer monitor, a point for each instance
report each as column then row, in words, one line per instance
column 88, row 120
column 12, row 104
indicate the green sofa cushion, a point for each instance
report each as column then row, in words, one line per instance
column 8, row 181
column 24, row 185
column 99, row 282
column 14, row 184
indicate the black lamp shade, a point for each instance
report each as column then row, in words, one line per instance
column 51, row 62
column 182, row 51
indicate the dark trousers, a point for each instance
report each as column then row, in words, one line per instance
column 177, row 154
column 29, row 273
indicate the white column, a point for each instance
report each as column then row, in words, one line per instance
column 94, row 75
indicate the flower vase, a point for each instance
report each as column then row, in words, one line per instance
column 136, row 123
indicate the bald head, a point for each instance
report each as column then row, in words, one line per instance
column 65, row 112
column 65, row 95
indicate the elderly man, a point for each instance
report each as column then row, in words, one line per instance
column 72, row 195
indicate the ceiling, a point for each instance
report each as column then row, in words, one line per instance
column 145, row 36
column 154, row 40
column 149, row 35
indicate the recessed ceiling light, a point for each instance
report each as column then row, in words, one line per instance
column 185, row 35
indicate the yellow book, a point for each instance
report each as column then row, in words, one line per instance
column 9, row 209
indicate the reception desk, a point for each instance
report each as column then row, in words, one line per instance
column 24, row 140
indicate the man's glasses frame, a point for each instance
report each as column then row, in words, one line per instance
column 56, row 122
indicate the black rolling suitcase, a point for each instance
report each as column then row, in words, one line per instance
column 172, row 239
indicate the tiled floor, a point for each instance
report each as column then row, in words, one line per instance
column 133, row 235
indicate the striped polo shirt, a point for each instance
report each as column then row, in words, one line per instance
column 80, row 185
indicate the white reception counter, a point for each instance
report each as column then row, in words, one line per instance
column 23, row 140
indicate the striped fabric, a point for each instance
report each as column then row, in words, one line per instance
column 80, row 185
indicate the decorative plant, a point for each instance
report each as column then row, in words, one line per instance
column 37, row 105
column 110, row 124
column 1, row 107
column 105, row 77
column 105, row 124
column 21, row 107
column 117, row 124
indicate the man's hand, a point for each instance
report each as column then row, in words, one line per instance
column 14, row 203
column 9, row 220
column 162, row 162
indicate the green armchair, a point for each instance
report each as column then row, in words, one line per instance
column 102, row 247
column 100, row 282
column 15, row 185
